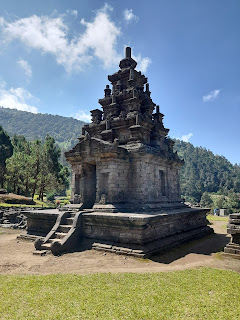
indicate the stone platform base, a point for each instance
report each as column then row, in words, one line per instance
column 144, row 234
column 232, row 250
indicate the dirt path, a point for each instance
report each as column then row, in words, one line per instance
column 16, row 257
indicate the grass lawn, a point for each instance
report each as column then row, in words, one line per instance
column 211, row 217
column 191, row 294
column 39, row 204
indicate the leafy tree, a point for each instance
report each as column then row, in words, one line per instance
column 233, row 201
column 6, row 151
column 35, row 166
column 220, row 202
column 206, row 200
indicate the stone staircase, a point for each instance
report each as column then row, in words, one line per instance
column 64, row 236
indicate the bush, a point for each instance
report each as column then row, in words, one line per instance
column 50, row 196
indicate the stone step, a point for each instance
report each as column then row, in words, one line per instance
column 69, row 221
column 72, row 214
column 64, row 228
column 59, row 235
column 40, row 252
column 46, row 246
column 52, row 239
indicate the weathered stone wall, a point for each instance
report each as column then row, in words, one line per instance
column 40, row 222
column 149, row 233
column 112, row 180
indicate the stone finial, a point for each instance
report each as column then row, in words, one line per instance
column 107, row 91
column 157, row 109
column 128, row 52
column 128, row 61
column 147, row 89
column 96, row 115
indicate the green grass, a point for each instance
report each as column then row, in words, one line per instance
column 190, row 294
column 216, row 218
column 39, row 204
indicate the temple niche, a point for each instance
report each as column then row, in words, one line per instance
column 124, row 161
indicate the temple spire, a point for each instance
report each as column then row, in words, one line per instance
column 128, row 53
column 128, row 61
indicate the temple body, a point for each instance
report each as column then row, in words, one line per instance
column 124, row 161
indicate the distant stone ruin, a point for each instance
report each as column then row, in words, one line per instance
column 232, row 249
column 125, row 181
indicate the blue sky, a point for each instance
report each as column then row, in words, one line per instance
column 55, row 57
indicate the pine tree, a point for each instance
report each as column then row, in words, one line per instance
column 6, row 151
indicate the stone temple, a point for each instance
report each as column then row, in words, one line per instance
column 124, row 161
column 125, row 178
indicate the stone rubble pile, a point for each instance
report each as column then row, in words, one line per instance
column 12, row 218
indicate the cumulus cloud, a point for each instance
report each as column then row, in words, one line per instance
column 142, row 63
column 26, row 67
column 51, row 35
column 83, row 116
column 129, row 16
column 74, row 13
column 16, row 98
column 186, row 137
column 211, row 96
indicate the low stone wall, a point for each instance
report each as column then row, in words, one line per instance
column 40, row 222
column 233, row 248
column 12, row 217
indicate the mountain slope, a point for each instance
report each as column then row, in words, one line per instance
column 64, row 130
column 203, row 171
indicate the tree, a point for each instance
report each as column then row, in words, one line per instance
column 52, row 176
column 206, row 200
column 220, row 202
column 6, row 151
column 35, row 166
column 233, row 201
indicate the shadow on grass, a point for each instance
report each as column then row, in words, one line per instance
column 206, row 246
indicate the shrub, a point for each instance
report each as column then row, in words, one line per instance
column 50, row 196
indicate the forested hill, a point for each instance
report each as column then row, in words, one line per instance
column 205, row 172
column 36, row 126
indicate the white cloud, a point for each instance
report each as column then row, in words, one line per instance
column 129, row 16
column 51, row 35
column 74, row 13
column 186, row 137
column 83, row 116
column 16, row 99
column 26, row 67
column 144, row 63
column 211, row 96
